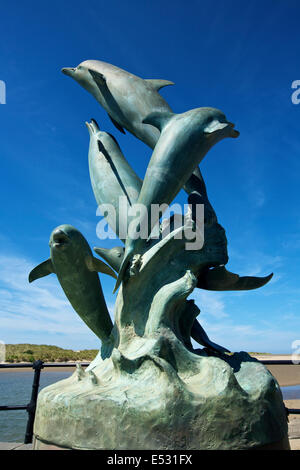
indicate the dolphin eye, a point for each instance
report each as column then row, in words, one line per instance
column 222, row 118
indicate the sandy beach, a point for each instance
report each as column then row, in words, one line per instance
column 285, row 375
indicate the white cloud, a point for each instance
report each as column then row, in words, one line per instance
column 28, row 309
column 211, row 303
column 248, row 337
column 40, row 313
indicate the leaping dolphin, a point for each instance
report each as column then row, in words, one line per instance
column 184, row 141
column 71, row 259
column 112, row 256
column 111, row 177
column 215, row 279
column 127, row 98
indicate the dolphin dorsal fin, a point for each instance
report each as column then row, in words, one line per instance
column 157, row 84
column 95, row 264
column 158, row 119
column 42, row 270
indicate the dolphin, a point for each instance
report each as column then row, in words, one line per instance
column 184, row 141
column 197, row 194
column 111, row 177
column 112, row 256
column 214, row 279
column 71, row 259
column 218, row 278
column 127, row 98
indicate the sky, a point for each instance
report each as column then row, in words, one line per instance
column 240, row 57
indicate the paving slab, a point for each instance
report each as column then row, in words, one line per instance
column 24, row 447
column 294, row 429
column 295, row 444
column 8, row 445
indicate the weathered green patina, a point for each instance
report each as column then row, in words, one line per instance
column 148, row 388
column 71, row 259
column 113, row 180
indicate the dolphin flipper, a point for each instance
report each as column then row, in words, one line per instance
column 99, row 78
column 116, row 124
column 157, row 84
column 199, row 335
column 42, row 270
column 95, row 264
column 100, row 81
column 219, row 279
column 158, row 119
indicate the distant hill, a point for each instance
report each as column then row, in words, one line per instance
column 33, row 352
column 258, row 353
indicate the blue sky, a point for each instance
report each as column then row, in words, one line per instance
column 240, row 57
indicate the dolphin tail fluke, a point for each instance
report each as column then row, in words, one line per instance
column 252, row 282
column 219, row 279
column 199, row 335
column 157, row 84
column 158, row 120
column 42, row 270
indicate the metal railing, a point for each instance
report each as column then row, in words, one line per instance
column 37, row 366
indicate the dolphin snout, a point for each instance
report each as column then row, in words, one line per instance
column 68, row 71
column 59, row 238
column 92, row 126
column 233, row 132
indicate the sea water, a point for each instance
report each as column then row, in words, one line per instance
column 15, row 389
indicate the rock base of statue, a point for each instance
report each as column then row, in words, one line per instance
column 166, row 397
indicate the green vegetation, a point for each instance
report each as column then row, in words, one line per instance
column 257, row 353
column 33, row 352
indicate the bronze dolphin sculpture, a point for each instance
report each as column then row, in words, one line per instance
column 184, row 141
column 127, row 98
column 111, row 176
column 112, row 256
column 76, row 268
